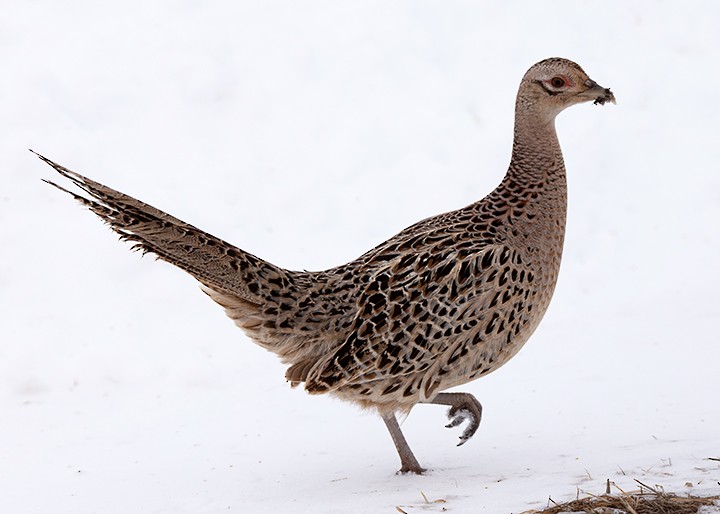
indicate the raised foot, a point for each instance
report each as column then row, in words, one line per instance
column 463, row 407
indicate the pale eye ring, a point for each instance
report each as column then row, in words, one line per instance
column 558, row 82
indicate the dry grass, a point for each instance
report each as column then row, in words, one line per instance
column 646, row 500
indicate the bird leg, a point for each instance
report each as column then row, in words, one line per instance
column 409, row 463
column 463, row 406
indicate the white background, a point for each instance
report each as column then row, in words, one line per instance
column 307, row 132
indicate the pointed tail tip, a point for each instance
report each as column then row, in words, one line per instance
column 42, row 157
column 57, row 167
column 46, row 161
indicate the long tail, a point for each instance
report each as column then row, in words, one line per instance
column 284, row 311
column 212, row 261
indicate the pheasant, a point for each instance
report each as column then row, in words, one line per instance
column 445, row 301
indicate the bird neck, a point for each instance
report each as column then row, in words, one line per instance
column 536, row 188
column 535, row 184
column 536, row 155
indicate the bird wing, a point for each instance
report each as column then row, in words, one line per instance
column 427, row 309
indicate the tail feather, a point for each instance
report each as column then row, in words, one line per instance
column 295, row 314
column 217, row 264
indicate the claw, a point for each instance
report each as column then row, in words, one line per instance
column 467, row 434
column 460, row 413
column 457, row 416
column 463, row 406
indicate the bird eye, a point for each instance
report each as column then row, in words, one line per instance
column 558, row 82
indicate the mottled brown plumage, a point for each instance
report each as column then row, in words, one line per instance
column 443, row 302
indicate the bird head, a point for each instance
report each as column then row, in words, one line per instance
column 554, row 84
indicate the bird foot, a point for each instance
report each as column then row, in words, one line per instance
column 415, row 469
column 463, row 407
column 458, row 416
column 408, row 462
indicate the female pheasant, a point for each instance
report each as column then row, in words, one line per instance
column 445, row 301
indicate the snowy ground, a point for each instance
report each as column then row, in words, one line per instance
column 306, row 132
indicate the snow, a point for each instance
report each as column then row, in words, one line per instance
column 307, row 132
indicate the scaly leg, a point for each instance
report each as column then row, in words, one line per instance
column 409, row 463
column 462, row 406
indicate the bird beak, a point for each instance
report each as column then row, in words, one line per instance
column 596, row 92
